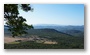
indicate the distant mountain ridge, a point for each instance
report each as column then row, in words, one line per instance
column 69, row 30
column 54, row 25
column 60, row 28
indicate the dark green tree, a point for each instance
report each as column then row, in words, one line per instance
column 16, row 23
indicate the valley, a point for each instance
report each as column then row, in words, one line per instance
column 45, row 38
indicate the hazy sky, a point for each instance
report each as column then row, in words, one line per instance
column 60, row 14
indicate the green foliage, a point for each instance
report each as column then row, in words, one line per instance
column 16, row 23
column 64, row 41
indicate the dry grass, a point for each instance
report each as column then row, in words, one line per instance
column 50, row 42
column 11, row 39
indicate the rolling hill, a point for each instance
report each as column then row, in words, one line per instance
column 65, row 41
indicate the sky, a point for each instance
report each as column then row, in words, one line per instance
column 59, row 14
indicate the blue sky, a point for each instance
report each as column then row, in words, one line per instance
column 60, row 14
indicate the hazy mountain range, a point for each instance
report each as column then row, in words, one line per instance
column 60, row 27
column 68, row 29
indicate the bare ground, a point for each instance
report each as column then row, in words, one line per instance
column 9, row 39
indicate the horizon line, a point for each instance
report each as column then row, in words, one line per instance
column 52, row 25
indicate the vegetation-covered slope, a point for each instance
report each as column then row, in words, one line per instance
column 65, row 41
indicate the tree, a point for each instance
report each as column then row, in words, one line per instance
column 16, row 23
